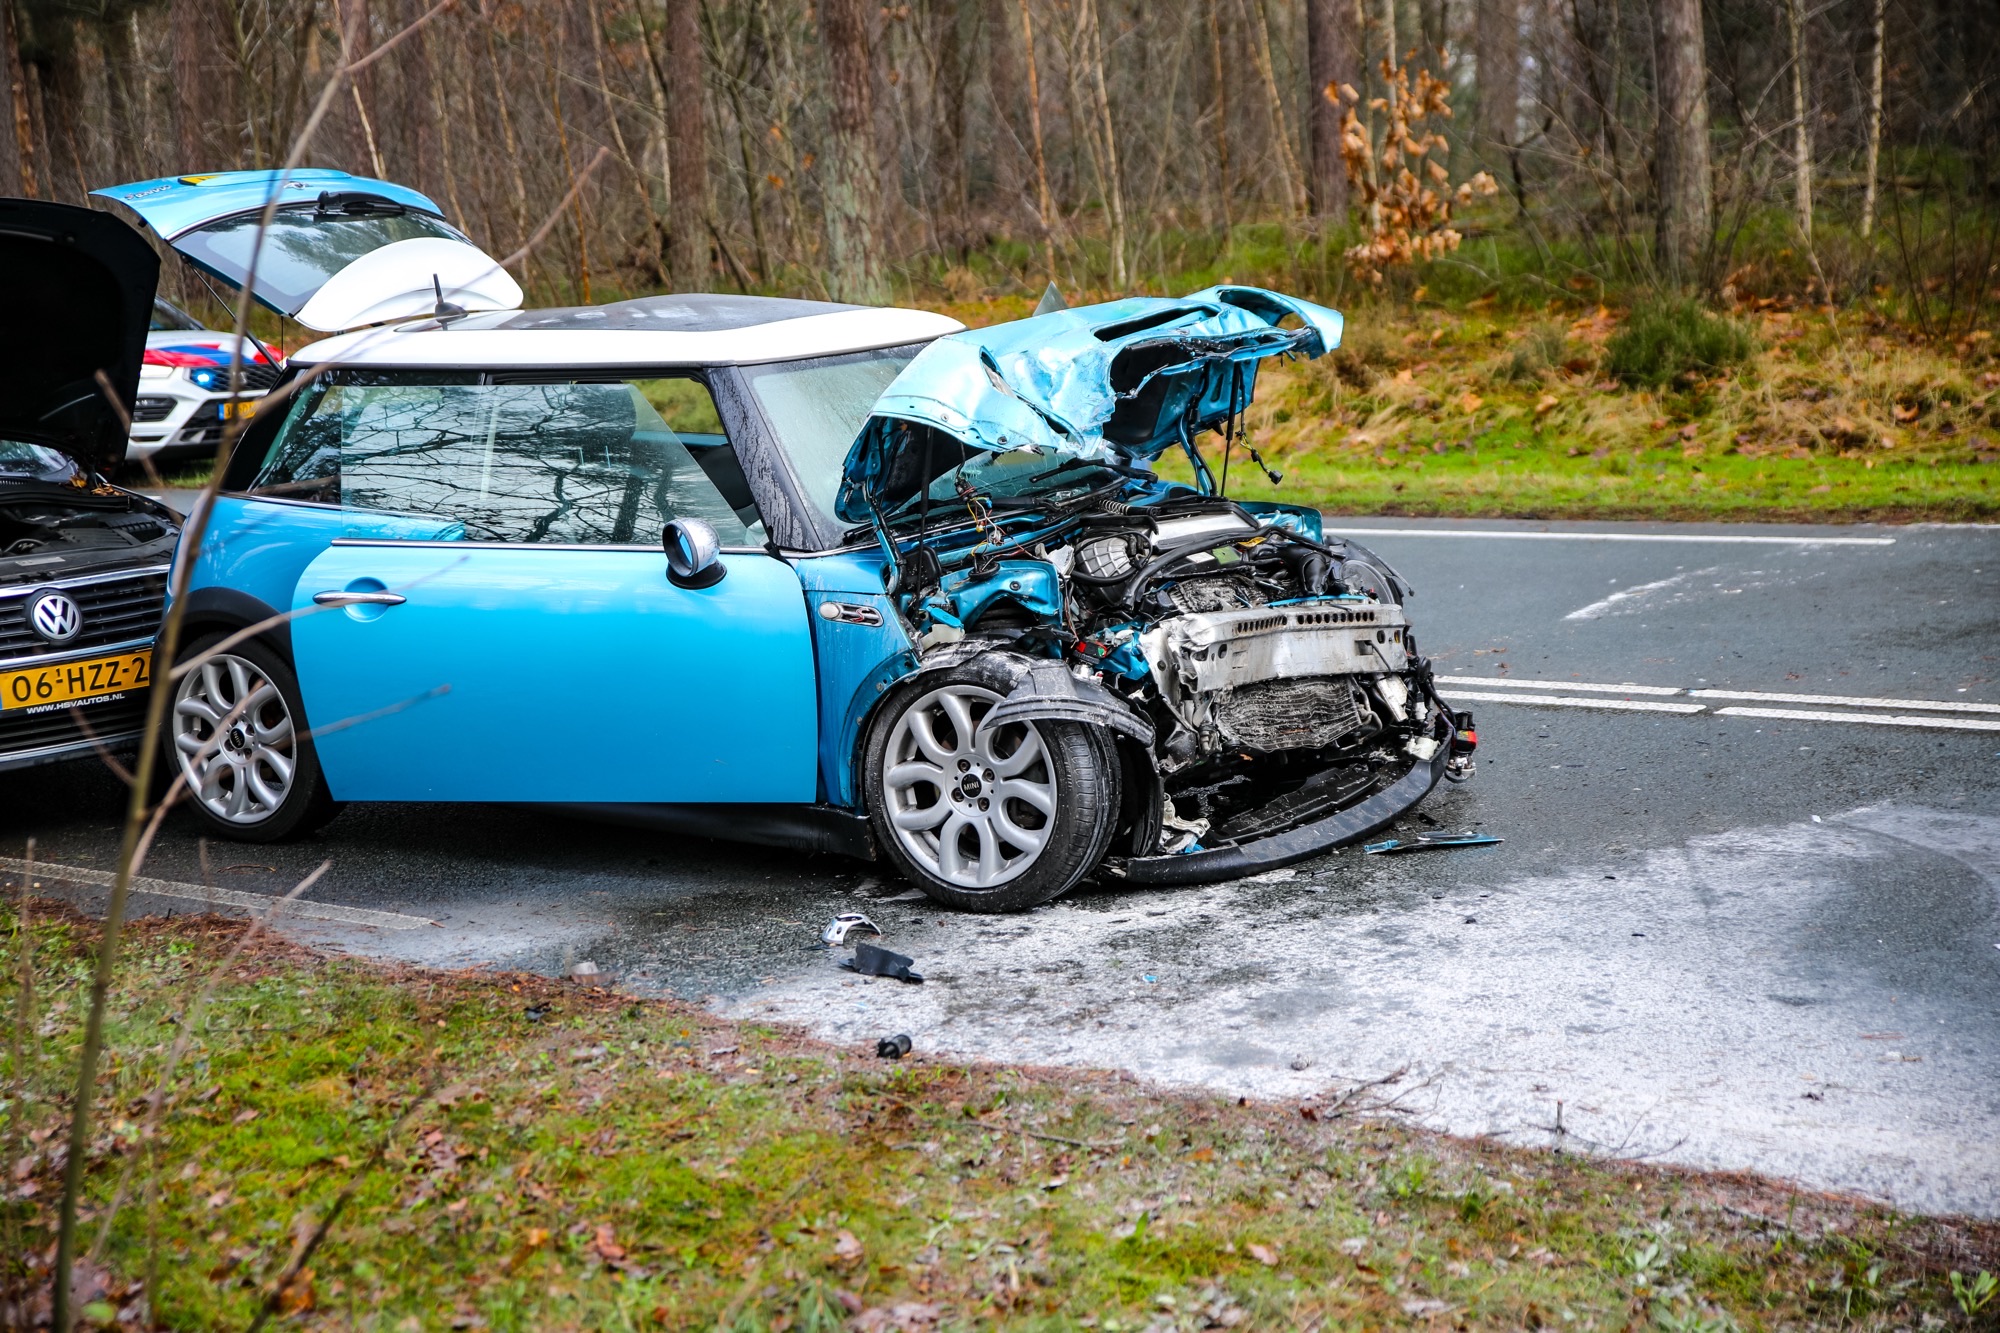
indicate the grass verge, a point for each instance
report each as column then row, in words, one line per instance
column 1776, row 410
column 499, row 1151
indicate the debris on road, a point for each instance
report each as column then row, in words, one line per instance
column 586, row 973
column 838, row 929
column 870, row 961
column 1424, row 842
column 893, row 1048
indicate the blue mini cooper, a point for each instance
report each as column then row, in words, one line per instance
column 817, row 575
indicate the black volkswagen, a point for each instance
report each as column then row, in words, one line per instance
column 83, row 563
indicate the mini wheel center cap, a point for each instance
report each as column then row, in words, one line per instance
column 968, row 786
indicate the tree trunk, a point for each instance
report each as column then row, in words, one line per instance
column 1332, row 58
column 851, row 182
column 1874, row 118
column 27, row 176
column 189, row 21
column 1681, row 153
column 687, row 149
column 1042, row 198
column 114, row 31
column 1281, row 132
column 1221, row 79
column 1802, row 155
column 1114, row 188
column 1496, row 46
column 948, row 94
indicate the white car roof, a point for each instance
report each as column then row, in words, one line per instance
column 688, row 330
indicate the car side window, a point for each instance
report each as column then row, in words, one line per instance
column 564, row 463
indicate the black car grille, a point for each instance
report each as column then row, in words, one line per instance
column 257, row 377
column 115, row 610
column 58, row 726
column 208, row 434
column 152, row 409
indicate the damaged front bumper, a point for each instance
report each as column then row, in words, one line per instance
column 1291, row 846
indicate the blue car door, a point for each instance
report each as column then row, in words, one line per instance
column 533, row 648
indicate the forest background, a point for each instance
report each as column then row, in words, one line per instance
column 1665, row 258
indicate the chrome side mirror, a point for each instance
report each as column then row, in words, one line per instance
column 694, row 554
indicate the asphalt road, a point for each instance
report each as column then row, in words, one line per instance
column 1710, row 937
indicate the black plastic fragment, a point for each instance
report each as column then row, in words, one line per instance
column 871, row 961
column 893, row 1048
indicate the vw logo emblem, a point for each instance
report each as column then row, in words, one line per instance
column 56, row 617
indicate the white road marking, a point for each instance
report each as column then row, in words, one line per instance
column 1596, row 609
column 1485, row 682
column 201, row 893
column 1502, row 534
column 1841, row 700
column 1879, row 719
column 1558, row 701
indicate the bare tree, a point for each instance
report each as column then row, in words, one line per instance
column 1802, row 153
column 1332, row 58
column 26, row 175
column 1874, row 117
column 1680, row 152
column 854, row 266
column 1496, row 45
column 687, row 148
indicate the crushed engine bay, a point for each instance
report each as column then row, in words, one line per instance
column 1260, row 676
column 1270, row 672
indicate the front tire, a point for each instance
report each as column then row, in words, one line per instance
column 999, row 821
column 236, row 737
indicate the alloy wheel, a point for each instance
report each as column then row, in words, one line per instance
column 973, row 808
column 235, row 739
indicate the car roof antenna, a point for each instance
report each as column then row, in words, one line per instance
column 444, row 312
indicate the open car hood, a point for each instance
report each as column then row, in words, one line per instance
column 1117, row 382
column 76, row 299
column 340, row 252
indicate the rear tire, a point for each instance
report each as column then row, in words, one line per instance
column 999, row 822
column 261, row 782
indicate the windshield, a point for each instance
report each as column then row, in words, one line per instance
column 167, row 318
column 302, row 248
column 816, row 409
column 20, row 461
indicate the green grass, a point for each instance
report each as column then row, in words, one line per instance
column 621, row 1164
column 1665, row 343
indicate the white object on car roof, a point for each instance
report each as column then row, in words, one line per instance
column 503, row 341
column 403, row 278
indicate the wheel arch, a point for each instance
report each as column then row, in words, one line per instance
column 226, row 611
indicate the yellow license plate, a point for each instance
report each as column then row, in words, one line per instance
column 239, row 410
column 67, row 682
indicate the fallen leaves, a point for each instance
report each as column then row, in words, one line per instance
column 847, row 1251
column 1263, row 1254
column 1470, row 402
column 1546, row 404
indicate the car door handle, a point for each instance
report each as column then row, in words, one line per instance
column 341, row 597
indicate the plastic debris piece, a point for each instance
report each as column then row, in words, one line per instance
column 893, row 1048
column 535, row 1013
column 587, row 973
column 836, row 931
column 1426, row 842
column 871, row 961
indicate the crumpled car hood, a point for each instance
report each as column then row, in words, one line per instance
column 1117, row 382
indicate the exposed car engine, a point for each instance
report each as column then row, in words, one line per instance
column 1275, row 672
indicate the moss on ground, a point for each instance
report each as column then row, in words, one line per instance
column 514, row 1154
